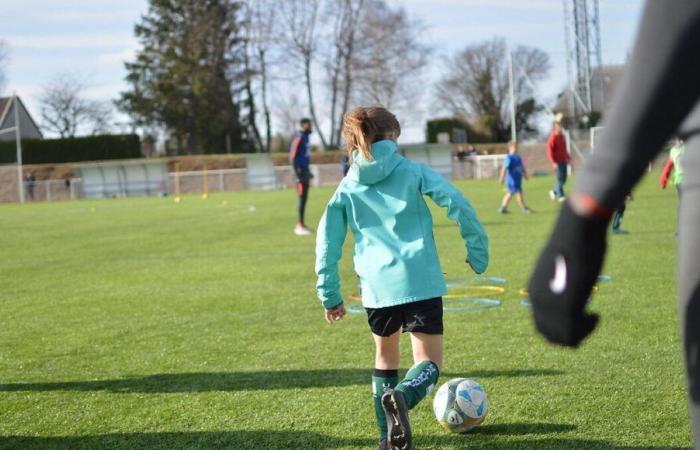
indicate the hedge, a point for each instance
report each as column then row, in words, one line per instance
column 88, row 148
column 447, row 125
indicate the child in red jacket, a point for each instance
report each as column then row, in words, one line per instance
column 559, row 157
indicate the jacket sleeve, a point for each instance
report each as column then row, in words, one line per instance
column 659, row 90
column 666, row 173
column 550, row 148
column 329, row 248
column 445, row 195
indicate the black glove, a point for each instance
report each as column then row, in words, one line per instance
column 565, row 275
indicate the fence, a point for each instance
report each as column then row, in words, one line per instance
column 50, row 190
column 225, row 180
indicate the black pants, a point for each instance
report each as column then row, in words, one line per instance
column 303, row 175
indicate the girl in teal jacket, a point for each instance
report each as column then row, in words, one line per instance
column 382, row 201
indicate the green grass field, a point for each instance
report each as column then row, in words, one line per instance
column 140, row 323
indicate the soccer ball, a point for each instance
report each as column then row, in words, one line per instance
column 460, row 405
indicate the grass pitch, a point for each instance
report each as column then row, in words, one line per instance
column 140, row 323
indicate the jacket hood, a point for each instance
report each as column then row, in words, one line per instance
column 385, row 160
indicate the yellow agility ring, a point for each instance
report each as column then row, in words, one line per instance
column 475, row 291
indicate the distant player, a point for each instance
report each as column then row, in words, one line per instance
column 512, row 173
column 673, row 170
column 381, row 201
column 619, row 215
column 559, row 158
column 300, row 157
column 658, row 97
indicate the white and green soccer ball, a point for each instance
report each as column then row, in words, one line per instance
column 460, row 405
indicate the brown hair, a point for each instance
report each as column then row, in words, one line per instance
column 364, row 126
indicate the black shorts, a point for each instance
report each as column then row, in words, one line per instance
column 303, row 174
column 424, row 316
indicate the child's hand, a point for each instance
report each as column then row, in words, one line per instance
column 335, row 314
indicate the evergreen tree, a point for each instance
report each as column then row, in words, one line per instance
column 186, row 76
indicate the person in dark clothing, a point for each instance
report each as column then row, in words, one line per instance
column 659, row 96
column 300, row 157
column 345, row 164
column 31, row 183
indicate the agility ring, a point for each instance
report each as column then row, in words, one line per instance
column 478, row 280
column 604, row 278
column 355, row 309
column 475, row 292
column 465, row 294
column 524, row 292
column 464, row 304
column 455, row 304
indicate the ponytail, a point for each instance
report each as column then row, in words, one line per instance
column 364, row 126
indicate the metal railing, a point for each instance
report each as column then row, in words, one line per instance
column 224, row 180
column 51, row 190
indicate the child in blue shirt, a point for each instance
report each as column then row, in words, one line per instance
column 381, row 201
column 512, row 173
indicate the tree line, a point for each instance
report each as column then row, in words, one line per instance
column 217, row 75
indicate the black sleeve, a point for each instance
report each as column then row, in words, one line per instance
column 660, row 88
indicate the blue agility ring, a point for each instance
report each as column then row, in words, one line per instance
column 355, row 309
column 475, row 281
column 468, row 304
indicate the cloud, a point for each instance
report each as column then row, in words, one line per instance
column 117, row 57
column 467, row 4
column 71, row 41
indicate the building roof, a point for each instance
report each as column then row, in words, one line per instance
column 5, row 108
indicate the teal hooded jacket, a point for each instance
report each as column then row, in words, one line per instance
column 382, row 203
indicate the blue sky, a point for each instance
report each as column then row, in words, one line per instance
column 92, row 38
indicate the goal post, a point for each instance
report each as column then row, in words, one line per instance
column 18, row 139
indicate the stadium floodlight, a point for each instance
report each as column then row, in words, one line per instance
column 18, row 139
column 511, row 89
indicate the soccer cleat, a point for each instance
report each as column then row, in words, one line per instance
column 527, row 210
column 619, row 231
column 384, row 445
column 302, row 230
column 399, row 428
column 502, row 210
column 552, row 195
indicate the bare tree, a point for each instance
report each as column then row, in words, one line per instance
column 259, row 28
column 66, row 112
column 265, row 21
column 476, row 85
column 339, row 64
column 4, row 59
column 390, row 60
column 286, row 109
column 299, row 22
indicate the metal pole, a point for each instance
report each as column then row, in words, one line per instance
column 18, row 138
column 599, row 55
column 513, row 130
column 569, row 59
